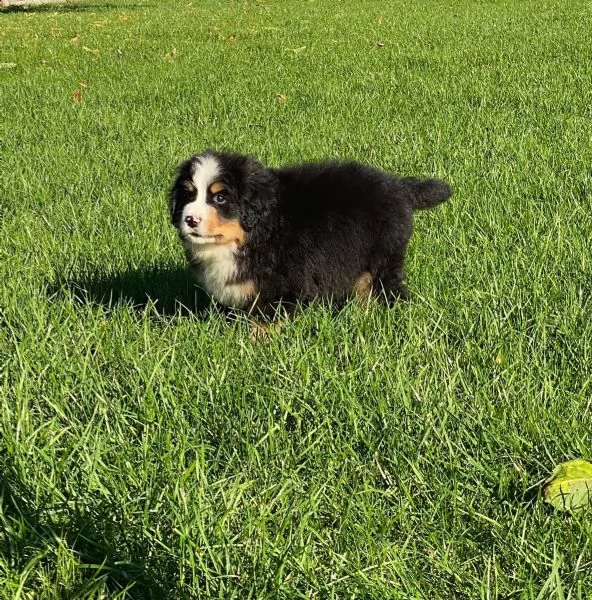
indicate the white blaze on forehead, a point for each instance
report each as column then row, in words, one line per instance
column 205, row 172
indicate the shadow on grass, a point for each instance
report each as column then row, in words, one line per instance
column 69, row 7
column 108, row 551
column 172, row 291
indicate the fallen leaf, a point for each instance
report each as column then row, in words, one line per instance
column 83, row 84
column 499, row 359
column 569, row 487
column 75, row 39
column 77, row 96
column 379, row 45
column 94, row 51
column 231, row 38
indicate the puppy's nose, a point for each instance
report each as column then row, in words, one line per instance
column 192, row 221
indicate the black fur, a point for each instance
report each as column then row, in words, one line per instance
column 313, row 229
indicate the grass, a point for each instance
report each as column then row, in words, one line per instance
column 150, row 449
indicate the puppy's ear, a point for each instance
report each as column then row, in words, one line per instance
column 179, row 191
column 174, row 199
column 260, row 195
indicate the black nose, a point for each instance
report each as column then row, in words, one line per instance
column 192, row 221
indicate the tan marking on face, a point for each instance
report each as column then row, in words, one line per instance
column 188, row 185
column 363, row 286
column 228, row 230
column 216, row 187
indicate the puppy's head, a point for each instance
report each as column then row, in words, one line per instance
column 219, row 199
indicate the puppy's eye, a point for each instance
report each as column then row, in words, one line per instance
column 219, row 198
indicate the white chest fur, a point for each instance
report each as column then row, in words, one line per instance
column 215, row 268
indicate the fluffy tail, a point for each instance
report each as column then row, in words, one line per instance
column 426, row 193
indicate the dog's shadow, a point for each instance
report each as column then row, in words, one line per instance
column 170, row 291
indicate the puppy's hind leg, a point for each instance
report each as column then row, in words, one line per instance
column 389, row 283
column 363, row 288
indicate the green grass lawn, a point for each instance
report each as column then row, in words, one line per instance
column 151, row 449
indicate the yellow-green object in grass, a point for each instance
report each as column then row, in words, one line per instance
column 569, row 486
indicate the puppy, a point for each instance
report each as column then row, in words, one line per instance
column 255, row 236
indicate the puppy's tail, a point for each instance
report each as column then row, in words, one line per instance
column 425, row 193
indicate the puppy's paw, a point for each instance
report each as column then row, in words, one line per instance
column 262, row 332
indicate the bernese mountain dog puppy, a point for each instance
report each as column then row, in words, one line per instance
column 256, row 236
